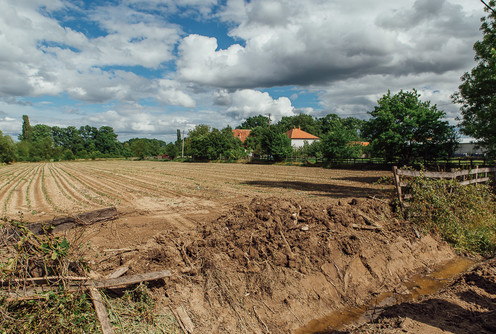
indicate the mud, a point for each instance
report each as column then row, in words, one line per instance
column 468, row 305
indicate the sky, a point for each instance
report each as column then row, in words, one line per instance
column 150, row 67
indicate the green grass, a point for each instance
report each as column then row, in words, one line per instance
column 465, row 216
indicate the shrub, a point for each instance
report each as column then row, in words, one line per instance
column 465, row 216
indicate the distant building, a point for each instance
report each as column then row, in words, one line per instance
column 468, row 147
column 299, row 137
column 241, row 134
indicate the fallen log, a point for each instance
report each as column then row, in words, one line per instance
column 66, row 223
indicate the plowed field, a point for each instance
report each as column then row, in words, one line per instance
column 46, row 190
column 251, row 248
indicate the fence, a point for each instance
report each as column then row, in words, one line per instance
column 465, row 177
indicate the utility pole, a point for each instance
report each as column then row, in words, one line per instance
column 182, row 148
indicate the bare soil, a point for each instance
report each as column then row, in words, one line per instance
column 252, row 248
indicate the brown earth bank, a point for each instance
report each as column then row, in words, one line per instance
column 273, row 265
column 468, row 305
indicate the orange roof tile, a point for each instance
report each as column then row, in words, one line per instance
column 300, row 134
column 363, row 143
column 241, row 134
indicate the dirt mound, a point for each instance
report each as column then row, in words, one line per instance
column 466, row 306
column 273, row 265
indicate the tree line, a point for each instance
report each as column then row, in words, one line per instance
column 401, row 128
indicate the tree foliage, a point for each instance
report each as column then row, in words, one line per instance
column 254, row 121
column 7, row 149
column 404, row 128
column 477, row 93
column 205, row 143
column 306, row 122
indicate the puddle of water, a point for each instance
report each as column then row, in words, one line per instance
column 417, row 286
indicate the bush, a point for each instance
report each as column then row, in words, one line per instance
column 465, row 216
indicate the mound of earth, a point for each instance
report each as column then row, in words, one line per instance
column 274, row 265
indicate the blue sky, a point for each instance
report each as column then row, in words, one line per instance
column 149, row 67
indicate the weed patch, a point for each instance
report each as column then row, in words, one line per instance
column 465, row 216
column 26, row 257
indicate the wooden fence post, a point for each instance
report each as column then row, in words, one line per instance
column 397, row 182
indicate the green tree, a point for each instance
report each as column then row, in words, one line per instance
column 305, row 122
column 332, row 121
column 139, row 148
column 404, row 128
column 7, row 149
column 338, row 143
column 254, row 141
column 275, row 143
column 477, row 93
column 198, row 140
column 106, row 141
column 254, row 121
column 26, row 129
column 39, row 132
column 171, row 150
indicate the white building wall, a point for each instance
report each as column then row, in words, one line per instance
column 297, row 143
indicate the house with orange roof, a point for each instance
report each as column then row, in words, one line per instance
column 299, row 137
column 241, row 134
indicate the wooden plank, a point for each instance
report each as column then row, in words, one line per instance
column 128, row 280
column 366, row 227
column 185, row 319
column 445, row 175
column 37, row 292
column 101, row 311
column 473, row 181
column 118, row 272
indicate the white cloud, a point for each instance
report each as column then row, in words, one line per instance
column 246, row 103
column 315, row 42
column 170, row 92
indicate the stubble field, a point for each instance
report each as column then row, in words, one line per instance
column 45, row 190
